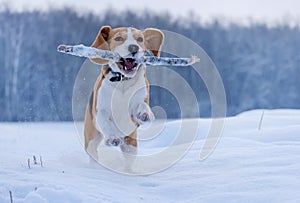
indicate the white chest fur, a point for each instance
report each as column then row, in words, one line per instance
column 116, row 104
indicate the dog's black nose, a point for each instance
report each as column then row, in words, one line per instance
column 133, row 49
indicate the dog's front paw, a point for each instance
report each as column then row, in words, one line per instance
column 144, row 114
column 143, row 117
column 114, row 141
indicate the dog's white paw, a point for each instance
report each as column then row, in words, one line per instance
column 144, row 114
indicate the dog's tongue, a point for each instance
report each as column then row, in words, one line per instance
column 129, row 64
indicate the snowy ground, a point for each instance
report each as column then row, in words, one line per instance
column 248, row 165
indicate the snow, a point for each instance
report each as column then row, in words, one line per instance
column 248, row 165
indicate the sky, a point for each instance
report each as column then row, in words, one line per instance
column 270, row 11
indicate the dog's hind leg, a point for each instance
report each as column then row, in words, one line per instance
column 129, row 149
column 92, row 147
column 92, row 137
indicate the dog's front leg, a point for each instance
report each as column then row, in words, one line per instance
column 143, row 114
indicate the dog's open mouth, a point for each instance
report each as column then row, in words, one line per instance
column 127, row 64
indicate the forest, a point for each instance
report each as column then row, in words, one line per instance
column 259, row 65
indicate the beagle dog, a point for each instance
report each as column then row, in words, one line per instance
column 119, row 102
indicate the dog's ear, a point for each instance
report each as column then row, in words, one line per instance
column 101, row 43
column 153, row 40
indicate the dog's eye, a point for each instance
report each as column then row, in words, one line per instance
column 119, row 39
column 140, row 39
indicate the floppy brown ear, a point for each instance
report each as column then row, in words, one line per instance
column 153, row 40
column 101, row 43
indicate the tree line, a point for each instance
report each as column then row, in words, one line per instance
column 259, row 65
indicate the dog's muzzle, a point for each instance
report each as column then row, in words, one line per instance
column 127, row 64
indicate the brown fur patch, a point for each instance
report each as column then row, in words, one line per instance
column 131, row 139
column 97, row 85
column 101, row 43
column 153, row 40
column 146, row 100
column 89, row 128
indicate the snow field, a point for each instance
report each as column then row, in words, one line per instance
column 248, row 165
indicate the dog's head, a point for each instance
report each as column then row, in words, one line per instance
column 130, row 43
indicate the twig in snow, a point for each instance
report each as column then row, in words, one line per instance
column 28, row 163
column 10, row 196
column 261, row 119
column 34, row 160
column 41, row 161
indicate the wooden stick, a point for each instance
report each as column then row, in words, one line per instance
column 90, row 52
